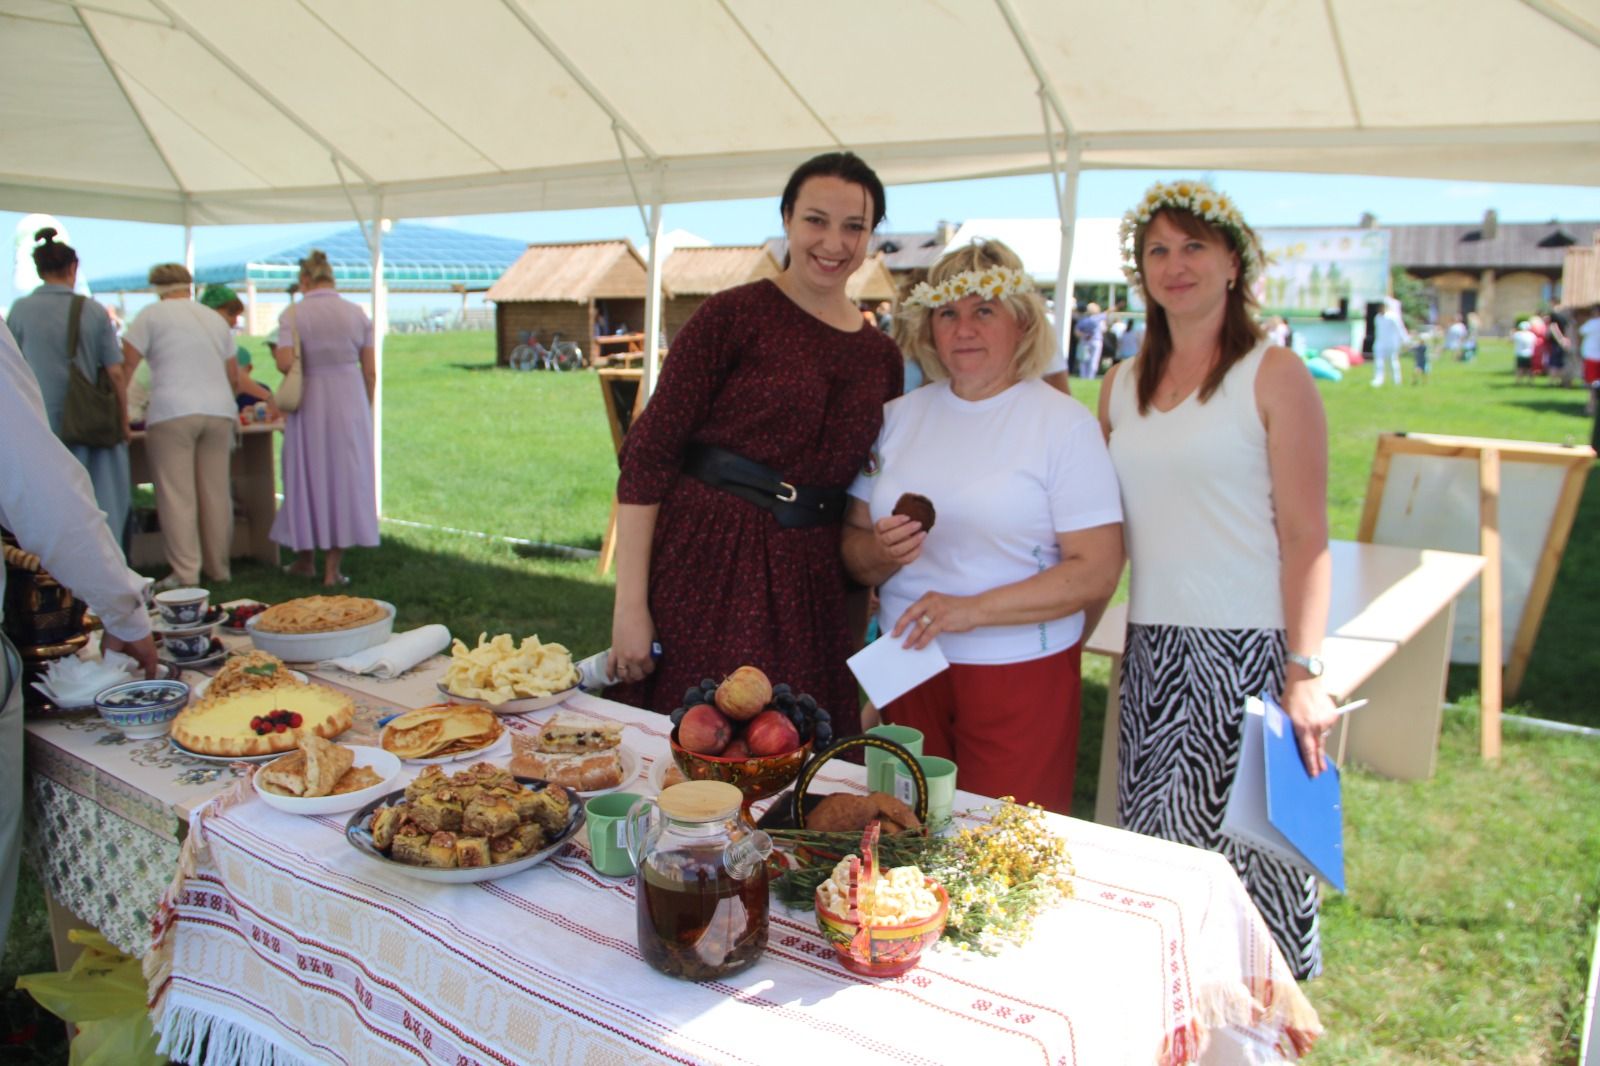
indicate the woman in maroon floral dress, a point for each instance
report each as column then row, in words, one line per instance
column 770, row 385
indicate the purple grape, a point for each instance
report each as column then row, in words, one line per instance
column 708, row 685
column 677, row 715
column 806, row 701
column 821, row 715
column 781, row 689
column 691, row 697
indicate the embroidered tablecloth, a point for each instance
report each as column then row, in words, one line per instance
column 283, row 945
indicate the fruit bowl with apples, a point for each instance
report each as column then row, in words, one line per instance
column 748, row 732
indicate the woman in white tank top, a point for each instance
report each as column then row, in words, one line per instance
column 1220, row 445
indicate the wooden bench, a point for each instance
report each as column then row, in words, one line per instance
column 1388, row 641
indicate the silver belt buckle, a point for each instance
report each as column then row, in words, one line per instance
column 787, row 493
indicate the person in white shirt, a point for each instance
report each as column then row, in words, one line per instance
column 1025, row 545
column 1455, row 338
column 190, row 423
column 47, row 501
column 1589, row 349
column 1388, row 337
column 1523, row 340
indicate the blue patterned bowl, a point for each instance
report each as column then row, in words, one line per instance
column 142, row 709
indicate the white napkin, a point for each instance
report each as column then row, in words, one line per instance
column 74, row 682
column 398, row 654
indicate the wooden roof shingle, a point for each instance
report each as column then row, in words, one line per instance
column 1472, row 246
column 704, row 271
column 574, row 272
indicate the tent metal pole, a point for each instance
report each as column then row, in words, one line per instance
column 188, row 240
column 652, row 292
column 1066, row 184
column 380, row 326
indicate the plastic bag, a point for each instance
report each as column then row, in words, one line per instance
column 104, row 996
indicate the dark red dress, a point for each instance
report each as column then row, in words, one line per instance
column 753, row 373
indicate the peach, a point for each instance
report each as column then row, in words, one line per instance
column 704, row 730
column 771, row 733
column 744, row 694
column 736, row 749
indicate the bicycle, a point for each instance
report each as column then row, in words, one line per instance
column 563, row 355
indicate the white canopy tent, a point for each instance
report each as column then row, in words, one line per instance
column 200, row 112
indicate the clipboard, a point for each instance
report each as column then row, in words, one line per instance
column 1278, row 808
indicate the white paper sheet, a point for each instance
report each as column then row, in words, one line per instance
column 888, row 671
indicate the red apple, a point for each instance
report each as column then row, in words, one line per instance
column 770, row 733
column 744, row 694
column 703, row 729
column 736, row 749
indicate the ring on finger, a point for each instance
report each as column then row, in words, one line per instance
column 927, row 619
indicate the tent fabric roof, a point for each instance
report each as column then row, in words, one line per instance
column 236, row 111
column 1526, row 245
column 574, row 272
column 416, row 258
column 703, row 271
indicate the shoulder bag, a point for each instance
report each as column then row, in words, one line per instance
column 92, row 415
column 292, row 386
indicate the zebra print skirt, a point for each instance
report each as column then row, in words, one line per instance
column 1182, row 695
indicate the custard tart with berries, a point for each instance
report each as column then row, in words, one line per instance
column 262, row 721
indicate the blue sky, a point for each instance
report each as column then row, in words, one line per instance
column 110, row 247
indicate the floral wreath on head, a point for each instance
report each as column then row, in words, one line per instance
column 992, row 283
column 1202, row 201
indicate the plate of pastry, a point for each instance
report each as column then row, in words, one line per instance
column 441, row 733
column 313, row 628
column 249, row 715
column 322, row 777
column 509, row 677
column 575, row 750
column 477, row 824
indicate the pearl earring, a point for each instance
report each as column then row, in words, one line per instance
column 1230, row 284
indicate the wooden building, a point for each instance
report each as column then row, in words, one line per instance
column 1580, row 275
column 690, row 275
column 1501, row 270
column 567, row 289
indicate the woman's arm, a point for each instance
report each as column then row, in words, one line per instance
column 283, row 357
column 131, row 358
column 1104, row 404
column 119, row 382
column 873, row 554
column 632, row 628
column 1297, row 456
column 369, row 372
column 1091, row 563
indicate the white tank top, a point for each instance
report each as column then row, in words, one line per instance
column 1197, row 505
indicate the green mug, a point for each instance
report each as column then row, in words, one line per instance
column 881, row 764
column 941, row 776
column 608, row 832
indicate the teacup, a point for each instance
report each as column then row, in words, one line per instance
column 185, row 646
column 608, row 832
column 183, row 607
column 881, row 764
column 941, row 777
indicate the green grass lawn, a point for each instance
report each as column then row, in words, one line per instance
column 1467, row 931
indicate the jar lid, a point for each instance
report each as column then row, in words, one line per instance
column 700, row 801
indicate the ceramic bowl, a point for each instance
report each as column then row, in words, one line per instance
column 756, row 776
column 183, row 607
column 182, row 647
column 892, row 949
column 142, row 709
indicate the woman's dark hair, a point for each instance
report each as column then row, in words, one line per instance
column 50, row 256
column 846, row 166
column 1240, row 330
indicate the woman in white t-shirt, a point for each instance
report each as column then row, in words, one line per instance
column 1026, row 536
column 189, row 423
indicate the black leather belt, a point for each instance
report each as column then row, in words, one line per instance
column 795, row 506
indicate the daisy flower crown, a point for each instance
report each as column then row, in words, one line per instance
column 992, row 283
column 1202, row 201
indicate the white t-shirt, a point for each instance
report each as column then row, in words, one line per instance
column 1589, row 339
column 1005, row 475
column 188, row 346
column 1522, row 342
column 1455, row 338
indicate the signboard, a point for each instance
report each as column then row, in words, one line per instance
column 1309, row 270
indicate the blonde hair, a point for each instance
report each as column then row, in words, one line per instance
column 168, row 278
column 913, row 326
column 315, row 269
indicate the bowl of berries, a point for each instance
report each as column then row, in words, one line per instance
column 748, row 732
column 142, row 709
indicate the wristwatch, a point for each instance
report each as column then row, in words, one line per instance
column 1311, row 663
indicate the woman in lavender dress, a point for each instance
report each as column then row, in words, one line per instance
column 329, row 493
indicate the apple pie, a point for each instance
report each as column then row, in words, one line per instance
column 319, row 614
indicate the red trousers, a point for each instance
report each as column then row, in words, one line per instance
column 1012, row 729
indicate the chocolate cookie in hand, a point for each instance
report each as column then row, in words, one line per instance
column 918, row 508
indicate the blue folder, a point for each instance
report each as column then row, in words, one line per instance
column 1277, row 807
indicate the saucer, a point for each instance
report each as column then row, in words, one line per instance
column 210, row 658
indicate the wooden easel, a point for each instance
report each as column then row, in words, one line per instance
column 1492, row 458
column 622, row 389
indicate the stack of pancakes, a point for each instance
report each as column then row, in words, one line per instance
column 441, row 729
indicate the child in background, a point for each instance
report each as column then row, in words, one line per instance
column 1522, row 342
column 1421, row 340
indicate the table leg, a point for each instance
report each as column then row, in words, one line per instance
column 1398, row 734
column 1105, row 796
